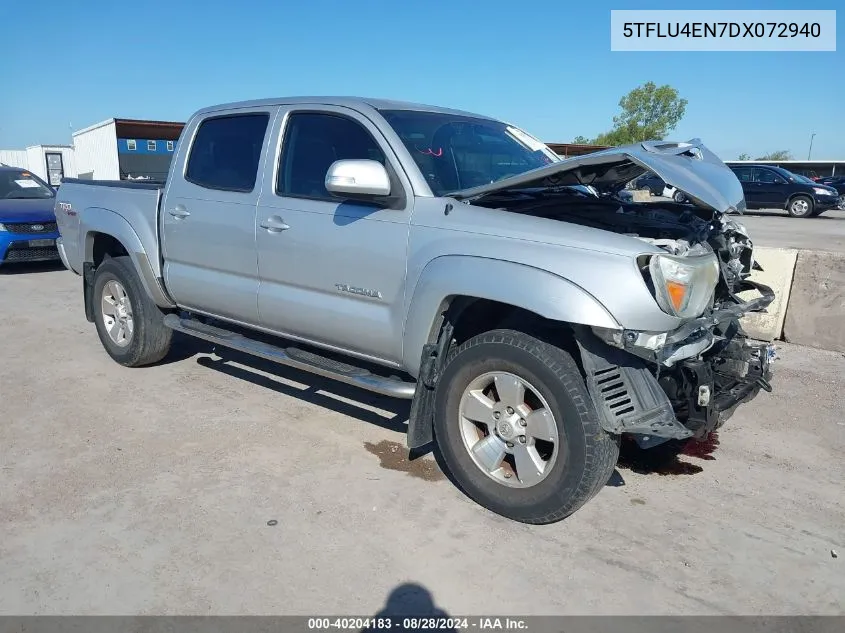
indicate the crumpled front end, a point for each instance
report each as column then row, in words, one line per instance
column 685, row 383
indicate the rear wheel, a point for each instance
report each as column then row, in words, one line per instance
column 129, row 324
column 517, row 429
column 800, row 207
column 679, row 196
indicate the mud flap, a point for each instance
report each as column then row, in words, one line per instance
column 626, row 395
column 88, row 290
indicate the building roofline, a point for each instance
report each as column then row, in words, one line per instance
column 90, row 128
column 49, row 145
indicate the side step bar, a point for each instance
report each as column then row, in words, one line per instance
column 295, row 357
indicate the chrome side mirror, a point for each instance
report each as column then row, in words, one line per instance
column 358, row 178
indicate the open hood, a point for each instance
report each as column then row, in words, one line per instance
column 690, row 167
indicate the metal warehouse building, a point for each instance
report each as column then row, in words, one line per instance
column 51, row 163
column 126, row 149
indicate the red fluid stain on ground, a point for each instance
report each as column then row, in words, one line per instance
column 702, row 450
column 666, row 459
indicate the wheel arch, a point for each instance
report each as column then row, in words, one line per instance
column 799, row 194
column 453, row 283
column 106, row 233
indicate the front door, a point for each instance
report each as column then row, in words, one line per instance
column 332, row 272
column 771, row 188
column 208, row 216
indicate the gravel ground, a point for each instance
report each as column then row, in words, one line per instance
column 227, row 486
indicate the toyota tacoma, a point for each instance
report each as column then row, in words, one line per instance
column 531, row 314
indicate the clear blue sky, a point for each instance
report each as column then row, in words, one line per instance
column 544, row 65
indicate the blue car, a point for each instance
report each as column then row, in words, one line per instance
column 28, row 229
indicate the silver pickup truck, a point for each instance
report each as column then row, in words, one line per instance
column 533, row 313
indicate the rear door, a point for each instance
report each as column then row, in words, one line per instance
column 208, row 215
column 745, row 175
column 332, row 272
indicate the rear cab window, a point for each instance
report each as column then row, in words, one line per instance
column 226, row 152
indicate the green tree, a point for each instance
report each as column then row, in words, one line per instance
column 744, row 156
column 781, row 154
column 649, row 113
column 581, row 140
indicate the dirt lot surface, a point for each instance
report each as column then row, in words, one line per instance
column 209, row 486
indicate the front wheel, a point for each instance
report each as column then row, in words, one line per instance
column 130, row 325
column 517, row 429
column 800, row 207
column 679, row 197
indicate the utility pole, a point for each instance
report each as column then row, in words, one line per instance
column 811, row 145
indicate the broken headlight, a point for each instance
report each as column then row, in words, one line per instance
column 684, row 286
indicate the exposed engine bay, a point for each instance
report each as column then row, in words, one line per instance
column 705, row 368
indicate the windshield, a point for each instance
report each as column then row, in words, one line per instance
column 22, row 184
column 457, row 152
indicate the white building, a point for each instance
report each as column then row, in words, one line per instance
column 121, row 149
column 51, row 163
column 115, row 149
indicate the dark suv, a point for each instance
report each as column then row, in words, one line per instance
column 768, row 187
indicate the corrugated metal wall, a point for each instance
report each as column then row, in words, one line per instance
column 14, row 158
column 96, row 153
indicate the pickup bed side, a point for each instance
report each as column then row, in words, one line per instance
column 99, row 217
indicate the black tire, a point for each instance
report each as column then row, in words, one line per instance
column 800, row 207
column 587, row 454
column 679, row 197
column 150, row 340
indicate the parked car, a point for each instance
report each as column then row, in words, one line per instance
column 768, row 187
column 656, row 186
column 651, row 182
column 381, row 244
column 28, row 229
column 838, row 183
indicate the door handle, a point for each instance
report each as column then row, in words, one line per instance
column 179, row 212
column 274, row 224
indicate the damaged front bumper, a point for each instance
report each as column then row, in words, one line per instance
column 680, row 384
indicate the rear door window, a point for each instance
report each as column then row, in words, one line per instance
column 226, row 152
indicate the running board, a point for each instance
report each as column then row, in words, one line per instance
column 295, row 357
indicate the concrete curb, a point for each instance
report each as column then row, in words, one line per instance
column 809, row 305
column 778, row 269
column 815, row 315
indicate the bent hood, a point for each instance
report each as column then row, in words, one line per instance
column 690, row 167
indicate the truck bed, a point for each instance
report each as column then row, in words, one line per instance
column 132, row 204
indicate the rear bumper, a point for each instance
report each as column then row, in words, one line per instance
column 27, row 247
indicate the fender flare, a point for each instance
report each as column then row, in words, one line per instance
column 99, row 220
column 539, row 291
